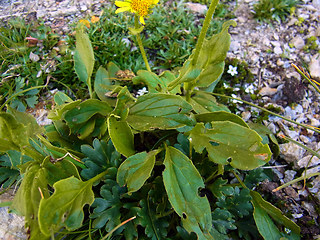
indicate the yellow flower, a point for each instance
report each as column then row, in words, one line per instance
column 94, row 19
column 140, row 7
column 85, row 22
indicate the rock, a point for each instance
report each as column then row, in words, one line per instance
column 315, row 122
column 277, row 50
column 234, row 46
column 314, row 66
column 308, row 161
column 289, row 175
column 316, row 4
column 34, row 57
column 197, row 8
column 267, row 91
column 291, row 152
column 246, row 115
column 297, row 42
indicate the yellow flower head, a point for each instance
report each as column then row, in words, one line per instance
column 140, row 7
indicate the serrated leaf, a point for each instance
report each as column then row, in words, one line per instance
column 228, row 142
column 238, row 204
column 67, row 201
column 135, row 170
column 203, row 102
column 124, row 99
column 100, row 157
column 155, row 228
column 106, row 211
column 182, row 182
column 223, row 220
column 161, row 111
column 266, row 208
column 121, row 136
column 220, row 189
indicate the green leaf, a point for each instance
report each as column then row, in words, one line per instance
column 9, row 171
column 203, row 102
column 267, row 137
column 220, row 189
column 210, row 64
column 104, row 81
column 266, row 227
column 155, row 228
column 100, row 157
column 228, row 142
column 64, row 207
column 27, row 199
column 124, row 99
column 85, row 110
column 223, row 220
column 136, row 31
column 158, row 110
column 221, row 116
column 155, row 83
column 135, row 170
column 238, row 204
column 61, row 98
column 182, row 182
column 83, row 57
column 121, row 136
column 102, row 78
column 106, row 211
column 266, row 208
column 15, row 130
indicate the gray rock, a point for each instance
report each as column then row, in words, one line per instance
column 289, row 175
column 314, row 66
column 298, row 42
column 196, row 7
column 11, row 226
column 291, row 152
column 308, row 161
column 316, row 4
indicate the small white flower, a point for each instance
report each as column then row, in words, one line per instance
column 232, row 70
column 142, row 91
column 233, row 100
column 250, row 89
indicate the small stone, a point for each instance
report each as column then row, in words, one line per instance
column 289, row 175
column 267, row 91
column 234, row 46
column 280, row 62
column 197, row 8
column 314, row 66
column 273, row 128
column 315, row 122
column 277, row 50
column 316, row 4
column 308, row 161
column 246, row 116
column 304, row 139
column 291, row 152
column 34, row 57
column 297, row 42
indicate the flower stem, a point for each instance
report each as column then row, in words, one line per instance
column 144, row 56
column 204, row 30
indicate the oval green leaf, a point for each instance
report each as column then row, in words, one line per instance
column 182, row 182
column 135, row 170
column 228, row 142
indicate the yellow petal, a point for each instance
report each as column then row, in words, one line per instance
column 155, row 1
column 122, row 4
column 142, row 20
column 94, row 19
column 123, row 9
